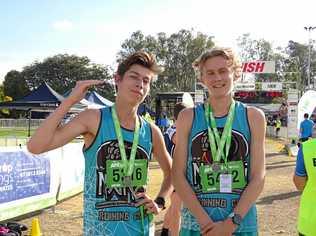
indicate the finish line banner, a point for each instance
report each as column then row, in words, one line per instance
column 259, row 67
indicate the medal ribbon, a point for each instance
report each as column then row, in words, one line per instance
column 225, row 139
column 128, row 164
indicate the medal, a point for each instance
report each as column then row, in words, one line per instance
column 127, row 181
column 216, row 166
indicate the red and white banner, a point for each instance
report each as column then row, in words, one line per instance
column 259, row 67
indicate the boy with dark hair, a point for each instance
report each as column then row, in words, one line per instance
column 117, row 148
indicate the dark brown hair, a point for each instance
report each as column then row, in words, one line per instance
column 142, row 58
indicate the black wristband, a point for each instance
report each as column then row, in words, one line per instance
column 160, row 201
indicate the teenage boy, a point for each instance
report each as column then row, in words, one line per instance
column 117, row 147
column 219, row 160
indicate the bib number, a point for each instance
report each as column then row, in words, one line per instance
column 212, row 180
column 115, row 174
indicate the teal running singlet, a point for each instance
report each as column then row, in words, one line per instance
column 218, row 205
column 112, row 211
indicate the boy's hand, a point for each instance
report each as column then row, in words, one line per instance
column 149, row 204
column 81, row 88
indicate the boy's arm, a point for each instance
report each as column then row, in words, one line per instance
column 179, row 180
column 300, row 182
column 50, row 135
column 162, row 156
column 300, row 175
column 257, row 163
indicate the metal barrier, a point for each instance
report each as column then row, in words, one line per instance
column 10, row 123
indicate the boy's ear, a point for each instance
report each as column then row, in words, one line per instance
column 117, row 78
column 237, row 74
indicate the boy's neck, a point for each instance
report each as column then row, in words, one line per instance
column 220, row 106
column 126, row 114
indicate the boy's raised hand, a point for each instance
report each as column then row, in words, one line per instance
column 81, row 88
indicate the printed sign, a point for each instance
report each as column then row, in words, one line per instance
column 271, row 86
column 306, row 104
column 259, row 67
column 22, row 176
column 244, row 86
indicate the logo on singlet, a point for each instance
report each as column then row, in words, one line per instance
column 201, row 153
column 121, row 195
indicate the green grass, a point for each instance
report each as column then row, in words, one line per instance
column 17, row 136
column 14, row 136
column 14, row 132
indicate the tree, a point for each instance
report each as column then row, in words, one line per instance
column 183, row 48
column 260, row 49
column 176, row 53
column 298, row 53
column 62, row 71
column 254, row 49
column 14, row 85
column 4, row 98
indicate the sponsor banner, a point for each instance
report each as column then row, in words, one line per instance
column 244, row 86
column 187, row 99
column 306, row 104
column 199, row 96
column 23, row 176
column 271, row 86
column 292, row 101
column 72, row 171
column 30, row 182
column 292, row 131
column 292, row 111
column 49, row 104
column 259, row 67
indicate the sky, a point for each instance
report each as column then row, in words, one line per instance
column 33, row 30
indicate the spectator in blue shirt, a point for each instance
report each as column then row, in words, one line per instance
column 306, row 128
column 164, row 123
column 300, row 166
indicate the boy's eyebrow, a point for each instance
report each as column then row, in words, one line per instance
column 209, row 70
column 136, row 73
column 221, row 68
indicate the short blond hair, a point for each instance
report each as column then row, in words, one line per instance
column 225, row 52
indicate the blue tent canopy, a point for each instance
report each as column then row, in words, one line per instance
column 96, row 98
column 44, row 93
column 143, row 108
column 42, row 98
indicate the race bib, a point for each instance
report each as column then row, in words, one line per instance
column 237, row 170
column 115, row 174
column 211, row 179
